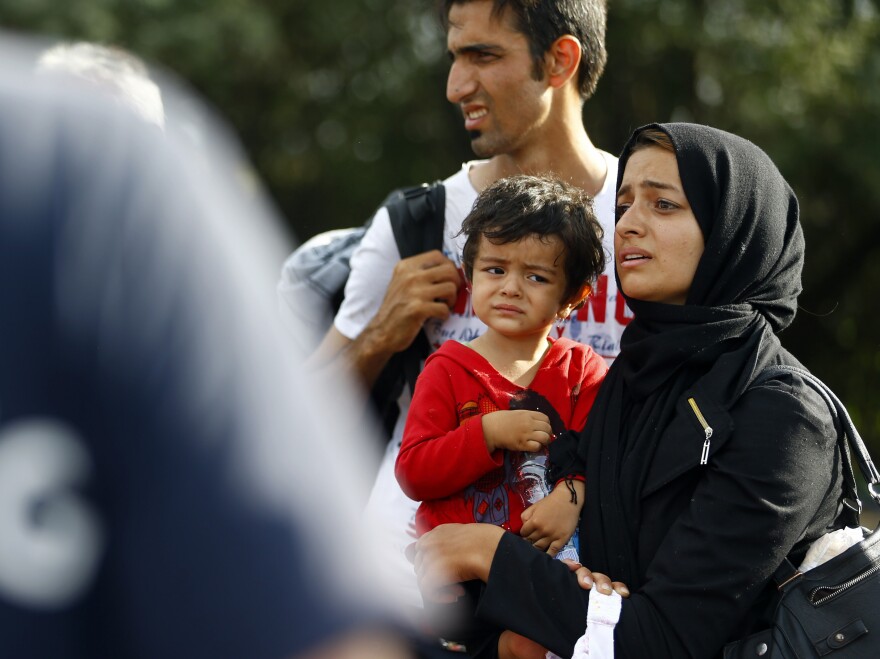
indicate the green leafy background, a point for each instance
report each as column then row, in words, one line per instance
column 336, row 102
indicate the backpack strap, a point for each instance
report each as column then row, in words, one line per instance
column 849, row 438
column 418, row 216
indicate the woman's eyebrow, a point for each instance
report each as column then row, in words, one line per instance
column 659, row 185
column 648, row 183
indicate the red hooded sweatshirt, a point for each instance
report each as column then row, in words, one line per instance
column 444, row 462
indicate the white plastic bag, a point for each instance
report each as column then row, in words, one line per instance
column 598, row 639
column 830, row 545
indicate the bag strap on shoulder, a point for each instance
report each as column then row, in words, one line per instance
column 418, row 216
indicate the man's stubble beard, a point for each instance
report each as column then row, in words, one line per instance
column 475, row 144
column 483, row 148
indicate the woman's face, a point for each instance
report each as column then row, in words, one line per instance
column 657, row 241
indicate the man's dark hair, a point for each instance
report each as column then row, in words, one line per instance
column 520, row 206
column 544, row 21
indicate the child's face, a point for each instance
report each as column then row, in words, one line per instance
column 517, row 287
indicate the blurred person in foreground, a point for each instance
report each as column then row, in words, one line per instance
column 116, row 71
column 161, row 487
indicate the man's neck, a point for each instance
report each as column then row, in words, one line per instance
column 571, row 157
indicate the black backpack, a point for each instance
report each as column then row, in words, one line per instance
column 318, row 270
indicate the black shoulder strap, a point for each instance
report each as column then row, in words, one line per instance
column 417, row 220
column 849, row 437
column 418, row 216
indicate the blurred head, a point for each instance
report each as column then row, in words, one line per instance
column 116, row 71
column 542, row 22
column 546, row 210
column 750, row 246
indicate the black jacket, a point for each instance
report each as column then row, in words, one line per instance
column 709, row 538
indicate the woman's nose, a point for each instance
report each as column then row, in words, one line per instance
column 630, row 222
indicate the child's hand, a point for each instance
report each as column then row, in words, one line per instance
column 516, row 430
column 550, row 523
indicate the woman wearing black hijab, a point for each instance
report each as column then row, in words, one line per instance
column 699, row 483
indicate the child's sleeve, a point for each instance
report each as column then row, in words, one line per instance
column 439, row 457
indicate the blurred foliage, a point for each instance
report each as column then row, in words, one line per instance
column 338, row 101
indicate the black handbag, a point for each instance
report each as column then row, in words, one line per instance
column 832, row 610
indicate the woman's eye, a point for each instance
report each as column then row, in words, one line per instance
column 666, row 205
column 619, row 210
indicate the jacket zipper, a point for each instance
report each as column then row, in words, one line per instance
column 839, row 589
column 704, row 458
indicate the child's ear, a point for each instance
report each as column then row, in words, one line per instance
column 577, row 300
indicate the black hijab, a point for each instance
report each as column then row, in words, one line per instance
column 744, row 290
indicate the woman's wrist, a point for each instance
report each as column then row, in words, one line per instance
column 451, row 554
column 483, row 550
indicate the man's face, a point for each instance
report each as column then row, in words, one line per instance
column 491, row 79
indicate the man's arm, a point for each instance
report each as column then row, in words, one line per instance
column 421, row 287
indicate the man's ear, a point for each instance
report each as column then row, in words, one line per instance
column 562, row 60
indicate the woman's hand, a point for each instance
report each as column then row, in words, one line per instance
column 451, row 554
column 587, row 579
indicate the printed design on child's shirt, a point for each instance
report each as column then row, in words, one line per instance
column 489, row 494
column 531, row 474
column 472, row 408
column 522, row 475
